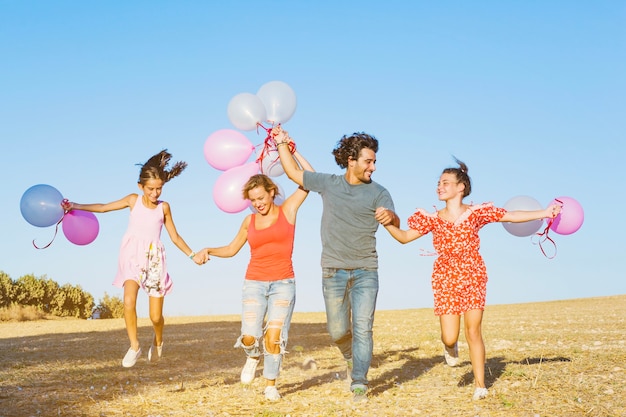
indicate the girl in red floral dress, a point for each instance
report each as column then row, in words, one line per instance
column 459, row 279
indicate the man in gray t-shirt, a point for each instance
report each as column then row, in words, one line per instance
column 349, row 260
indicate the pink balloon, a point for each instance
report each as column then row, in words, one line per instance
column 569, row 219
column 226, row 149
column 80, row 227
column 227, row 192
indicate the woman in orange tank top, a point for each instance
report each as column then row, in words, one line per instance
column 268, row 294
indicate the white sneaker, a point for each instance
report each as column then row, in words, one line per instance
column 271, row 393
column 248, row 371
column 451, row 355
column 130, row 359
column 479, row 393
column 154, row 353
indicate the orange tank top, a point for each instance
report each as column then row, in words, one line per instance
column 270, row 250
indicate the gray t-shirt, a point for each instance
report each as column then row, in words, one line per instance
column 348, row 224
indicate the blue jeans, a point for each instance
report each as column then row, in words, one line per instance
column 350, row 299
column 274, row 299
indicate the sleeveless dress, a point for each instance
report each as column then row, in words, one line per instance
column 142, row 254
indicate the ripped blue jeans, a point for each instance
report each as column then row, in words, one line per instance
column 267, row 305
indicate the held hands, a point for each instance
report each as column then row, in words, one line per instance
column 280, row 135
column 384, row 216
column 201, row 257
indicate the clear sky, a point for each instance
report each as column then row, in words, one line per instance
column 531, row 95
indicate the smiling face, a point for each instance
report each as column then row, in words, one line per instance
column 360, row 170
column 261, row 200
column 151, row 189
column 449, row 187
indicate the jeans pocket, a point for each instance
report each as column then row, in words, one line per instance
column 329, row 272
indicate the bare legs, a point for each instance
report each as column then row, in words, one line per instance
column 156, row 316
column 131, row 288
column 450, row 328
column 130, row 312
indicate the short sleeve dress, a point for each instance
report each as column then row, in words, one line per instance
column 459, row 279
column 142, row 255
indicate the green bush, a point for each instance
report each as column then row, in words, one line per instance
column 110, row 307
column 45, row 295
column 7, row 290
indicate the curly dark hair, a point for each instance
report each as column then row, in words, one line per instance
column 350, row 147
column 155, row 168
column 461, row 176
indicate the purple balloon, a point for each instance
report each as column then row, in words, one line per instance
column 80, row 227
column 571, row 217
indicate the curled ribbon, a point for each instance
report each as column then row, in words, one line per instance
column 543, row 236
column 56, row 229
column 269, row 144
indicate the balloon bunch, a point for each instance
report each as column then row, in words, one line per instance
column 568, row 221
column 228, row 150
column 41, row 206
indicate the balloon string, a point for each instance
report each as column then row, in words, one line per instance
column 546, row 237
column 56, row 230
column 269, row 144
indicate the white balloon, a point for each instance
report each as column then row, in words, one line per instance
column 270, row 164
column 279, row 100
column 245, row 110
column 523, row 202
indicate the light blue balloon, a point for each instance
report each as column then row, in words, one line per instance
column 41, row 205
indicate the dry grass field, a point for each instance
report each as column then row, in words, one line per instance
column 560, row 358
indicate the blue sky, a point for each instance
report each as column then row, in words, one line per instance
column 531, row 95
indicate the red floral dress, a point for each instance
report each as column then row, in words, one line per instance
column 459, row 278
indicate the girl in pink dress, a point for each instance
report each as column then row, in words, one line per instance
column 142, row 261
column 459, row 279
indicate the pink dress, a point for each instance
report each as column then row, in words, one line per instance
column 459, row 278
column 142, row 255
